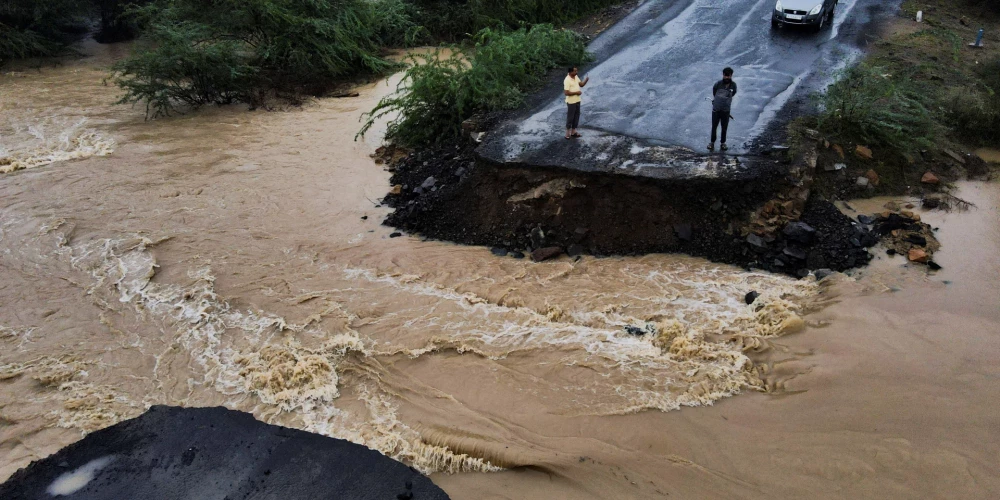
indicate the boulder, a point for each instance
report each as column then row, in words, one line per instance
column 498, row 251
column 919, row 256
column 931, row 202
column 544, row 254
column 429, row 182
column 862, row 182
column 537, row 238
column 822, row 274
column 930, row 178
column 872, row 177
column 396, row 190
column 751, row 297
column 917, row 240
column 800, row 232
column 840, row 150
column 574, row 250
column 955, row 156
column 795, row 253
column 683, row 231
column 757, row 242
column 863, row 152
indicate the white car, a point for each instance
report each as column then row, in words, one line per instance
column 813, row 13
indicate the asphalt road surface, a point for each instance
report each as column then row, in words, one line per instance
column 212, row 453
column 647, row 109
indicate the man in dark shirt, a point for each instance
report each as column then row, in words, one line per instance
column 722, row 104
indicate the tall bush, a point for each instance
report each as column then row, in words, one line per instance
column 867, row 104
column 439, row 92
column 196, row 52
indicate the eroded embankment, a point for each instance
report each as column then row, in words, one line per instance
column 448, row 194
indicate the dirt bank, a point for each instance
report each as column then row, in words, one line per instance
column 447, row 194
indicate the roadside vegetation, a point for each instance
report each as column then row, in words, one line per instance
column 919, row 99
column 440, row 91
column 194, row 53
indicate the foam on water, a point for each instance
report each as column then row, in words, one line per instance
column 694, row 357
column 285, row 376
column 38, row 141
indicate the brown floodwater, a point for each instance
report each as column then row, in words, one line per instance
column 236, row 258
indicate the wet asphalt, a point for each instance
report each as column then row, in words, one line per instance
column 647, row 109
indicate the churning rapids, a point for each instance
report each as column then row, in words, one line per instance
column 236, row 258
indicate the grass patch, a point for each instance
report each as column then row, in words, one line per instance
column 920, row 96
column 870, row 105
column 438, row 93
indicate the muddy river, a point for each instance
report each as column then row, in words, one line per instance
column 236, row 258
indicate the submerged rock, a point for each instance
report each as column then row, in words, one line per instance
column 751, row 297
column 544, row 254
column 918, row 255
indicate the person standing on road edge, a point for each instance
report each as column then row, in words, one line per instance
column 722, row 105
column 571, row 88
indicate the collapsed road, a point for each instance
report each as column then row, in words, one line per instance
column 647, row 109
column 640, row 181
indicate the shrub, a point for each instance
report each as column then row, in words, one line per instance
column 438, row 93
column 224, row 51
column 868, row 105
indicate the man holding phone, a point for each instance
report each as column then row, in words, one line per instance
column 572, row 86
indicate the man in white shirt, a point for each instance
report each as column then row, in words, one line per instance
column 571, row 88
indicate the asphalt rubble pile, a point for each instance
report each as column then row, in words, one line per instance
column 902, row 233
column 823, row 239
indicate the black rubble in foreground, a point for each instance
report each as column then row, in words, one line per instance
column 202, row 453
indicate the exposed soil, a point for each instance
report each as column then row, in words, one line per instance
column 447, row 194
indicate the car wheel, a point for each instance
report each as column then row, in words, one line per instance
column 775, row 24
column 830, row 17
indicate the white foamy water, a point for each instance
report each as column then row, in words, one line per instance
column 29, row 140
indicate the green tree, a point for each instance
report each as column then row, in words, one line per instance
column 196, row 52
